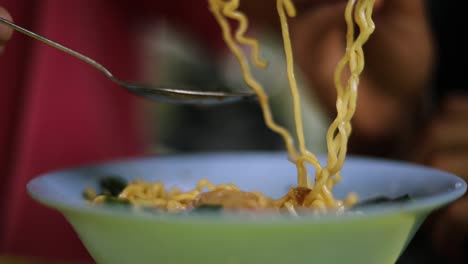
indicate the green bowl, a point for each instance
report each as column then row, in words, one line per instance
column 377, row 234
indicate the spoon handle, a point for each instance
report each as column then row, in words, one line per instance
column 59, row 47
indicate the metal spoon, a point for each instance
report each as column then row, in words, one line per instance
column 158, row 93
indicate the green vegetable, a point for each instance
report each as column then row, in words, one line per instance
column 208, row 208
column 116, row 201
column 383, row 200
column 112, row 185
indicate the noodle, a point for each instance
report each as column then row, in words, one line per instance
column 317, row 196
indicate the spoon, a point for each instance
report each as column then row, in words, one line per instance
column 158, row 93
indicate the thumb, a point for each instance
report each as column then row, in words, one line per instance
column 5, row 32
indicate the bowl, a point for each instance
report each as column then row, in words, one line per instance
column 375, row 234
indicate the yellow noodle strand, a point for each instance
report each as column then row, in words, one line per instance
column 319, row 195
column 216, row 6
column 230, row 10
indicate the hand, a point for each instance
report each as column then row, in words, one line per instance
column 449, row 232
column 398, row 61
column 444, row 145
column 5, row 32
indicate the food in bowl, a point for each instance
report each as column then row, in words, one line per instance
column 127, row 234
column 114, row 190
column 377, row 235
column 317, row 195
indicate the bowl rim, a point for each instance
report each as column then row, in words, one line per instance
column 421, row 204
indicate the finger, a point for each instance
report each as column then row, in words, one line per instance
column 443, row 136
column 456, row 163
column 5, row 32
column 450, row 134
column 458, row 212
column 450, row 230
column 456, row 106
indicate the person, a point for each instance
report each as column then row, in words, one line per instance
column 411, row 104
column 412, row 101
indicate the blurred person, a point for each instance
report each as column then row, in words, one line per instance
column 412, row 101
